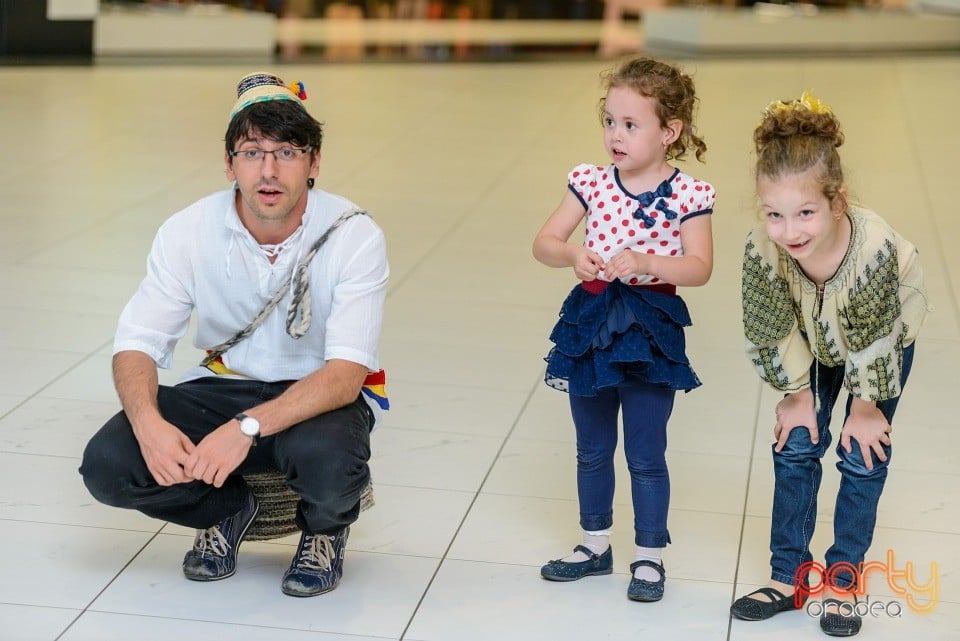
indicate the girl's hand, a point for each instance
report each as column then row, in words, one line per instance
column 796, row 410
column 869, row 427
column 625, row 263
column 586, row 264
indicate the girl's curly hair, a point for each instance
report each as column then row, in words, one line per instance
column 674, row 94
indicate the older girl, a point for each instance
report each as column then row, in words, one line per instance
column 833, row 299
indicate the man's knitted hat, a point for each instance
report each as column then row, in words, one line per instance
column 261, row 86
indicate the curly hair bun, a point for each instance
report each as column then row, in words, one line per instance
column 795, row 136
column 805, row 116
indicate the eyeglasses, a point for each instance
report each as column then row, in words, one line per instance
column 283, row 155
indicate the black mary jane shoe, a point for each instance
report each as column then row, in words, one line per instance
column 596, row 564
column 837, row 624
column 647, row 591
column 749, row 609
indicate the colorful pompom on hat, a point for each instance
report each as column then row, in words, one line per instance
column 261, row 86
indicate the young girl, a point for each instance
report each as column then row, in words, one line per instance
column 833, row 298
column 620, row 342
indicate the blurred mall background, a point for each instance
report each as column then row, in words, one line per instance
column 443, row 30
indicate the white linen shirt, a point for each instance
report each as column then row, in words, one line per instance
column 204, row 261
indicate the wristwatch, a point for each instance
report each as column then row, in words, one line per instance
column 249, row 426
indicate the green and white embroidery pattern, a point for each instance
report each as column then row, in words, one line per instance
column 768, row 314
column 826, row 346
column 883, row 378
column 874, row 301
column 859, row 319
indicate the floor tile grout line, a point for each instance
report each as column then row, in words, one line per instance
column 746, row 496
column 623, row 573
column 465, row 216
column 21, row 404
column 56, row 378
column 473, row 501
column 229, row 623
column 109, row 583
column 938, row 235
column 103, row 222
column 84, row 526
column 38, row 454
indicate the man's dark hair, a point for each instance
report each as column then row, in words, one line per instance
column 283, row 121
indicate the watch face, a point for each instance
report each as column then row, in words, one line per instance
column 250, row 426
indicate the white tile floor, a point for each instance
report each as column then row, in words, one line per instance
column 475, row 466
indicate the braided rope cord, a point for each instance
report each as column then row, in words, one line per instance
column 298, row 314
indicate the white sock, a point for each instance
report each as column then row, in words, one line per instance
column 596, row 542
column 645, row 572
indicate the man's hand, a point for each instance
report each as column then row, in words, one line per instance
column 796, row 410
column 218, row 454
column 165, row 450
column 869, row 427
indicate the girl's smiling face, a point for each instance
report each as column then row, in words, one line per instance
column 632, row 133
column 801, row 219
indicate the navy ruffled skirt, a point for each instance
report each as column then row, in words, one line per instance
column 623, row 331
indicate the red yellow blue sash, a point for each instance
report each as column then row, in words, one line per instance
column 374, row 386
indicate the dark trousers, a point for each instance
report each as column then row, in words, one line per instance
column 798, row 471
column 324, row 459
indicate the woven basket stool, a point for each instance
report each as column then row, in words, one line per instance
column 278, row 506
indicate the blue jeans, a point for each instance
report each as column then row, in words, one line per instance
column 798, row 471
column 324, row 459
column 646, row 409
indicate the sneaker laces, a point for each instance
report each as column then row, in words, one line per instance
column 211, row 540
column 316, row 552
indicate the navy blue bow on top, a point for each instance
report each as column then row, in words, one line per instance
column 669, row 213
column 646, row 221
column 663, row 191
column 648, row 197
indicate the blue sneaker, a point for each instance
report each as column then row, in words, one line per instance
column 640, row 590
column 214, row 553
column 597, row 564
column 318, row 564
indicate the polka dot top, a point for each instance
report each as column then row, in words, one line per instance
column 650, row 222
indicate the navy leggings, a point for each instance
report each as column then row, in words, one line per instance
column 646, row 410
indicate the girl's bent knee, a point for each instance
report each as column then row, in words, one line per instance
column 798, row 446
column 852, row 463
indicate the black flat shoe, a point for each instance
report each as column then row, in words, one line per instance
column 641, row 590
column 836, row 624
column 750, row 609
column 596, row 564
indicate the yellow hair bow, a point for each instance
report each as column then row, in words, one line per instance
column 806, row 101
